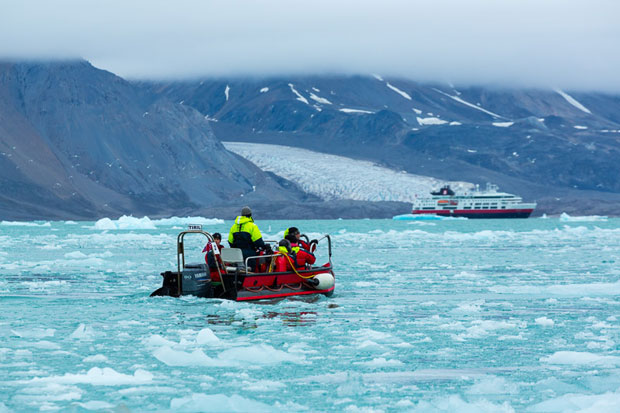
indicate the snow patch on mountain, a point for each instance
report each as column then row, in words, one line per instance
column 397, row 90
column 346, row 110
column 300, row 97
column 319, row 99
column 226, row 92
column 503, row 124
column 466, row 103
column 336, row 177
column 417, row 111
column 379, row 78
column 264, row 90
column 573, row 101
column 580, row 127
column 430, row 121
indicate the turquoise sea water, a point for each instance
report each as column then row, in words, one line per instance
column 460, row 315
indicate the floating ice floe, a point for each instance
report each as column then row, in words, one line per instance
column 262, row 354
column 544, row 321
column 380, row 362
column 99, row 377
column 588, row 218
column 187, row 220
column 454, row 403
column 569, row 290
column 83, row 332
column 95, row 405
column 493, row 385
column 218, row 403
column 25, row 224
column 574, row 402
column 580, row 358
column 34, row 332
column 124, row 222
column 129, row 222
column 97, row 358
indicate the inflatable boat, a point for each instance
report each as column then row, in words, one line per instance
column 237, row 282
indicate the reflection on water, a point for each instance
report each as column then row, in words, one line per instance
column 294, row 318
column 289, row 318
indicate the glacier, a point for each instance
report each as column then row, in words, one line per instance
column 337, row 177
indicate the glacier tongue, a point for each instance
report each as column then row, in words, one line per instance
column 337, row 177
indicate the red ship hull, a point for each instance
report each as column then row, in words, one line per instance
column 476, row 213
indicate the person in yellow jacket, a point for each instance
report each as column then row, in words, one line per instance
column 245, row 235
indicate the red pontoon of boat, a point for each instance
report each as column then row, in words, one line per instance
column 238, row 283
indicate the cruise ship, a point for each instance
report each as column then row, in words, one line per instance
column 489, row 203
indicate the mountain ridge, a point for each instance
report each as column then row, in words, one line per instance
column 554, row 146
column 77, row 142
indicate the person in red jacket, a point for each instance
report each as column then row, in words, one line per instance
column 213, row 253
column 302, row 255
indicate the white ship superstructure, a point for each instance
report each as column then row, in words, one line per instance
column 489, row 203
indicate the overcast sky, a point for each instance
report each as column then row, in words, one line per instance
column 571, row 44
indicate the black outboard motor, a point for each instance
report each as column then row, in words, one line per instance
column 189, row 279
column 170, row 285
column 194, row 281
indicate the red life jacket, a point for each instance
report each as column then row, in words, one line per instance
column 304, row 257
column 282, row 264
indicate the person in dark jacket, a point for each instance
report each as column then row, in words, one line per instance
column 294, row 231
column 245, row 235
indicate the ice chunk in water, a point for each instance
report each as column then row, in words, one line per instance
column 206, row 336
column 218, row 403
column 99, row 377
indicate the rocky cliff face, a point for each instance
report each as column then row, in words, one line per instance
column 80, row 142
column 560, row 148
